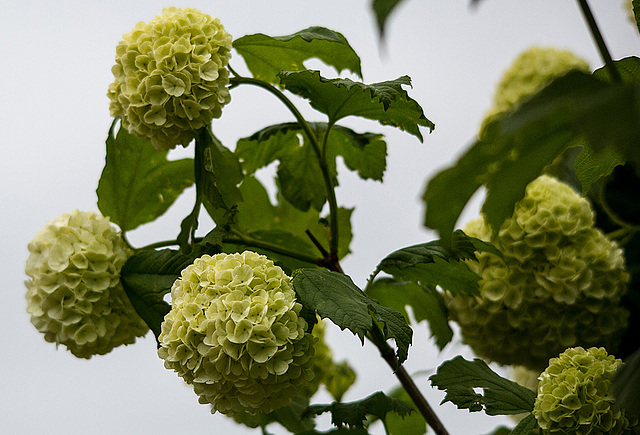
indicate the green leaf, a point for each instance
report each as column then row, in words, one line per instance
column 626, row 386
column 525, row 426
column 289, row 416
column 591, row 167
column 385, row 102
column 299, row 174
column 353, row 414
column 333, row 295
column 138, row 183
column 575, row 107
column 411, row 424
column 636, row 12
column 146, row 277
column 266, row 56
column 286, row 226
column 499, row 396
column 432, row 264
column 426, row 305
column 382, row 9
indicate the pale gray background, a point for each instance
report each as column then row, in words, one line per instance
column 56, row 61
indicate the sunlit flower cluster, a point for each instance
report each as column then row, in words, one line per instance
column 559, row 285
column 575, row 395
column 74, row 294
column 235, row 333
column 171, row 76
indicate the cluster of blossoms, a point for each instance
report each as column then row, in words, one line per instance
column 575, row 395
column 171, row 77
column 531, row 71
column 235, row 333
column 559, row 285
column 74, row 294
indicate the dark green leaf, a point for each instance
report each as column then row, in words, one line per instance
column 353, row 414
column 223, row 168
column 636, row 12
column 519, row 144
column 525, row 426
column 138, row 183
column 146, row 277
column 412, row 424
column 382, row 9
column 499, row 396
column 385, row 102
column 626, row 386
column 299, row 175
column 266, row 56
column 216, row 236
column 333, row 295
column 425, row 304
column 432, row 264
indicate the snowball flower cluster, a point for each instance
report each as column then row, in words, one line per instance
column 235, row 333
column 171, row 77
column 74, row 293
column 531, row 71
column 575, row 395
column 559, row 285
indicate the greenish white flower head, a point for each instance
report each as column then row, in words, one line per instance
column 235, row 333
column 531, row 71
column 171, row 76
column 74, row 294
column 559, row 285
column 575, row 395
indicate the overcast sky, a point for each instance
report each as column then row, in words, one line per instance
column 56, row 67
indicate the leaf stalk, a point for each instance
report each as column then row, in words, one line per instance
column 599, row 40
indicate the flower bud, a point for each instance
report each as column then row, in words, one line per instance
column 74, row 294
column 575, row 395
column 171, row 76
column 559, row 285
column 235, row 333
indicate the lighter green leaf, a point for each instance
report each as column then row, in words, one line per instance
column 385, row 102
column 266, row 56
column 353, row 414
column 333, row 295
column 138, row 183
column 425, row 304
column 591, row 167
column 499, row 396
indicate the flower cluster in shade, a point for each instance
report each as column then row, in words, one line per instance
column 575, row 395
column 235, row 334
column 559, row 285
column 171, row 76
column 74, row 294
column 531, row 71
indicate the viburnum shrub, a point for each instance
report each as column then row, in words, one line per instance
column 575, row 395
column 238, row 307
column 558, row 284
column 74, row 294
